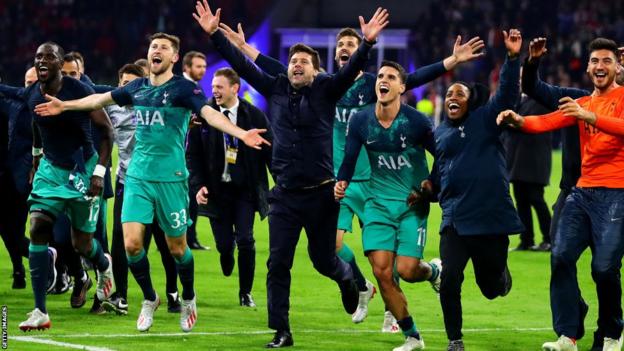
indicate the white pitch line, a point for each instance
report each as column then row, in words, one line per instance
column 41, row 340
column 259, row 332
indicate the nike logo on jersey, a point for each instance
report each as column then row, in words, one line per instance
column 368, row 142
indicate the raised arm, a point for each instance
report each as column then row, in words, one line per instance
column 461, row 53
column 344, row 78
column 209, row 22
column 100, row 120
column 508, row 91
column 544, row 93
column 54, row 106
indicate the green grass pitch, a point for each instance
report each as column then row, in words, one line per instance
column 521, row 321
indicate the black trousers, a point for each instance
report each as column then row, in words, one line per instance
column 235, row 228
column 191, row 232
column 13, row 215
column 531, row 195
column 489, row 259
column 118, row 251
column 316, row 211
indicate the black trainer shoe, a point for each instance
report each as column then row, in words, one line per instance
column 63, row 283
column 19, row 279
column 542, row 247
column 246, row 300
column 523, row 247
column 52, row 273
column 79, row 294
column 598, row 341
column 583, row 309
column 455, row 345
column 227, row 264
column 117, row 304
column 173, row 303
column 282, row 338
column 97, row 306
column 508, row 281
column 350, row 295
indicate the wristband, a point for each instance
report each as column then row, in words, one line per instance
column 99, row 171
column 37, row 151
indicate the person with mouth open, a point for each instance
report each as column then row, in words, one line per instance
column 593, row 212
column 470, row 180
column 68, row 179
column 302, row 107
column 361, row 95
column 156, row 179
column 395, row 137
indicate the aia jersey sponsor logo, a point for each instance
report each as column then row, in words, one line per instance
column 149, row 118
column 395, row 163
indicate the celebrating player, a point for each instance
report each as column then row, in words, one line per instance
column 156, row 179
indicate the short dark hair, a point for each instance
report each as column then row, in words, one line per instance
column 175, row 41
column 58, row 48
column 349, row 32
column 78, row 56
column 187, row 61
column 398, row 67
column 131, row 68
column 603, row 44
column 228, row 73
column 299, row 47
column 141, row 62
column 71, row 58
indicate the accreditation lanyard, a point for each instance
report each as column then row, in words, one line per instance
column 231, row 148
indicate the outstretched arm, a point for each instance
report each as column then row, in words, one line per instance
column 54, row 106
column 210, row 24
column 344, row 78
column 250, row 137
column 508, row 91
column 266, row 63
column 544, row 93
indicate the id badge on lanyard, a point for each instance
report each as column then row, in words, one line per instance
column 231, row 148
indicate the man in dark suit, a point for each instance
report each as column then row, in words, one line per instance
column 231, row 181
column 529, row 158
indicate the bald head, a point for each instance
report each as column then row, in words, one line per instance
column 30, row 77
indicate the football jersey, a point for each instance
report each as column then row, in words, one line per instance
column 396, row 155
column 162, row 116
column 361, row 95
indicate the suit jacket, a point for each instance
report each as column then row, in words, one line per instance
column 529, row 156
column 205, row 157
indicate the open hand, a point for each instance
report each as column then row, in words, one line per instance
column 469, row 50
column 379, row 21
column 53, row 107
column 206, row 19
column 236, row 38
column 253, row 139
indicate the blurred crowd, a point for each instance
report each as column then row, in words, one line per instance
column 112, row 33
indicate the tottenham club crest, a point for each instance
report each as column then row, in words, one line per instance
column 361, row 97
column 461, row 131
column 403, row 145
column 165, row 96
